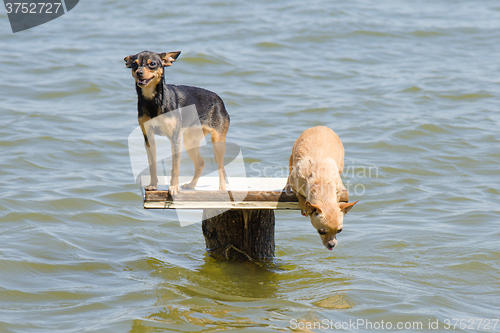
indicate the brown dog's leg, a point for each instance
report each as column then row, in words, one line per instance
column 289, row 181
column 302, row 203
column 192, row 138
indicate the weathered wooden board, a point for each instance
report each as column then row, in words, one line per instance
column 241, row 195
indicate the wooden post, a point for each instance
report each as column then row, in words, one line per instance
column 239, row 234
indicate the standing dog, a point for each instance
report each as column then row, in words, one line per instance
column 160, row 112
column 315, row 165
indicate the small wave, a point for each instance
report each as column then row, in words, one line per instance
column 422, row 33
column 269, row 45
column 469, row 96
column 203, row 59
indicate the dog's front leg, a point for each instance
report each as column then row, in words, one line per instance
column 176, row 145
column 302, row 203
column 149, row 143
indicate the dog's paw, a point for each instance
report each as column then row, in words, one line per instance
column 188, row 186
column 174, row 189
column 150, row 188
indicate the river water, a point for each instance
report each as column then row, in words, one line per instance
column 411, row 88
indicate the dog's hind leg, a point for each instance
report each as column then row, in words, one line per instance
column 176, row 146
column 289, row 181
column 192, row 139
column 219, row 142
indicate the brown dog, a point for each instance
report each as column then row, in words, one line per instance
column 315, row 165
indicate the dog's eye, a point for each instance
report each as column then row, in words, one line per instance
column 339, row 231
column 322, row 232
column 152, row 64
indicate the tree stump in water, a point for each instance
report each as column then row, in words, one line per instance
column 239, row 234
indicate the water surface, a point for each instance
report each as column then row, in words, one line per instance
column 412, row 89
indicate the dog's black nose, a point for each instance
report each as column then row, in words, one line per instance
column 139, row 72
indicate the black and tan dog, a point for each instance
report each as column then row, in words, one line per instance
column 161, row 112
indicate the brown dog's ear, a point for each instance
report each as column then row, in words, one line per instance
column 168, row 58
column 346, row 206
column 310, row 208
column 129, row 60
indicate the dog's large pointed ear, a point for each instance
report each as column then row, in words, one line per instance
column 168, row 58
column 310, row 208
column 129, row 60
column 346, row 206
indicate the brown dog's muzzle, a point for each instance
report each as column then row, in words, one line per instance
column 331, row 244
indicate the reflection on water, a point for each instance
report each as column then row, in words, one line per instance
column 208, row 295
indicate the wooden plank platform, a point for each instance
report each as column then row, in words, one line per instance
column 243, row 193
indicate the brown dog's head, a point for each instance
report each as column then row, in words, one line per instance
column 147, row 69
column 328, row 221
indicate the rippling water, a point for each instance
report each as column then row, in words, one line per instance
column 412, row 89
